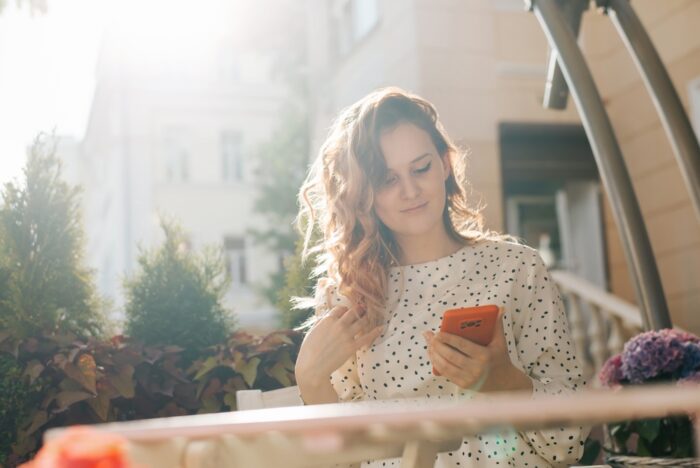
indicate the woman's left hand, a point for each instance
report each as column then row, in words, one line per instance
column 466, row 363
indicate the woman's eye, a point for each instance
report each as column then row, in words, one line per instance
column 389, row 181
column 423, row 169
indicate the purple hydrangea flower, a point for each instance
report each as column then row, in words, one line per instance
column 653, row 354
column 684, row 336
column 611, row 374
column 691, row 359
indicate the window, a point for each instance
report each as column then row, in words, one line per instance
column 231, row 157
column 365, row 14
column 352, row 21
column 236, row 265
column 177, row 158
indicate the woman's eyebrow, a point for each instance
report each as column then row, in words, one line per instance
column 420, row 157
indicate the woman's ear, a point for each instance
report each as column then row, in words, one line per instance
column 446, row 165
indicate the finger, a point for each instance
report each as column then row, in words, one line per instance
column 369, row 337
column 463, row 344
column 452, row 355
column 450, row 371
column 350, row 316
column 337, row 312
column 360, row 326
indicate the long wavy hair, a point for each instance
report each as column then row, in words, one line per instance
column 354, row 250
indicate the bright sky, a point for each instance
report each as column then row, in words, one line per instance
column 46, row 74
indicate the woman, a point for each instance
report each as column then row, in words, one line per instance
column 399, row 246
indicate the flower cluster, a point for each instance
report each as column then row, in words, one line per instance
column 663, row 355
column 81, row 446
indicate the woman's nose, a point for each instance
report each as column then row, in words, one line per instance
column 409, row 188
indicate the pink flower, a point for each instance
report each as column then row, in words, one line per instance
column 611, row 374
column 82, row 447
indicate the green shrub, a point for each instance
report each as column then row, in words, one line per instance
column 16, row 397
column 97, row 381
column 46, row 286
column 176, row 296
column 298, row 282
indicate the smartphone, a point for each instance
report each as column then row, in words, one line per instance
column 473, row 323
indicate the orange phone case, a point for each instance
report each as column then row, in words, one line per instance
column 473, row 323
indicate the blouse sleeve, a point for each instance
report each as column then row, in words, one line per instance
column 345, row 379
column 539, row 343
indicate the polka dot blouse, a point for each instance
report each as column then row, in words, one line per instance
column 397, row 364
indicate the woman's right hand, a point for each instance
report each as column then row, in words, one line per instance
column 331, row 342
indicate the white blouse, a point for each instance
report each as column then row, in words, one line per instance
column 397, row 364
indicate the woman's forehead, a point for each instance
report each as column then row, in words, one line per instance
column 405, row 144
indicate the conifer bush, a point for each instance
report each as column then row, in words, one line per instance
column 176, row 296
column 46, row 287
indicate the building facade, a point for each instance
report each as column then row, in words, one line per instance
column 482, row 63
column 172, row 132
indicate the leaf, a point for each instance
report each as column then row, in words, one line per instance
column 210, row 363
column 4, row 334
column 24, row 445
column 123, row 382
column 230, row 401
column 234, row 384
column 280, row 374
column 211, row 388
column 649, row 429
column 33, row 370
column 100, row 405
column 65, row 399
column 285, row 360
column 40, row 418
column 249, row 370
column 83, row 373
column 210, row 405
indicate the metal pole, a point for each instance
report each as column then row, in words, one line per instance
column 611, row 166
column 658, row 83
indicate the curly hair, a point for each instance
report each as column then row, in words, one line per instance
column 355, row 250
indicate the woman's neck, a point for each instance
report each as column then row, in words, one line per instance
column 421, row 249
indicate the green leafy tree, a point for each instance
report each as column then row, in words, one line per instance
column 176, row 296
column 298, row 282
column 282, row 164
column 46, row 288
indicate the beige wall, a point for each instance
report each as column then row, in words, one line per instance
column 482, row 62
column 673, row 227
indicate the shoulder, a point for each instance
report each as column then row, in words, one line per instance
column 506, row 252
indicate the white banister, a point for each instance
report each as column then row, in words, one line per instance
column 600, row 321
column 592, row 294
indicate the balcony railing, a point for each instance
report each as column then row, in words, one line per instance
column 600, row 322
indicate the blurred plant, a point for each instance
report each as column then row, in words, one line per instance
column 282, row 164
column 176, row 296
column 17, row 397
column 45, row 286
column 298, row 282
column 656, row 356
column 86, row 382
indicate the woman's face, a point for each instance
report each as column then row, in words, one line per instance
column 411, row 199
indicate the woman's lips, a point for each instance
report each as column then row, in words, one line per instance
column 414, row 209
